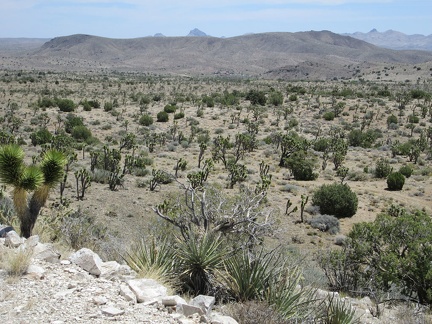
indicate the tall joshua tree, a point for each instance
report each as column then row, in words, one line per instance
column 37, row 179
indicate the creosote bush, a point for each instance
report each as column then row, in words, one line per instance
column 162, row 117
column 395, row 181
column 336, row 199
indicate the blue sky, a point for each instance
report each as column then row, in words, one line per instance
column 135, row 18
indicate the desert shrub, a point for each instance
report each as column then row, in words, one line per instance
column 81, row 133
column 395, row 181
column 301, row 166
column 65, row 105
column 108, row 106
column 325, row 223
column 179, row 115
column 406, row 170
column 254, row 312
column 321, row 144
column 46, row 102
column 382, row 168
column 162, row 117
column 392, row 119
column 72, row 121
column 390, row 254
column 329, row 115
column 80, row 229
column 42, row 136
column 146, row 120
column 169, row 109
column 413, row 119
column 336, row 199
column 363, row 139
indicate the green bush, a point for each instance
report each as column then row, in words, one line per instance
column 179, row 115
column 72, row 121
column 42, row 136
column 329, row 115
column 413, row 119
column 108, row 106
column 162, row 117
column 406, row 170
column 169, row 109
column 395, row 181
column 392, row 254
column 382, row 168
column 392, row 119
column 301, row 166
column 336, row 199
column 146, row 120
column 81, row 133
column 65, row 105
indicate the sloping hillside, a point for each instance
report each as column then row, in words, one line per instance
column 250, row 55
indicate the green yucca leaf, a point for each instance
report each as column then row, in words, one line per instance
column 52, row 166
column 31, row 178
column 11, row 164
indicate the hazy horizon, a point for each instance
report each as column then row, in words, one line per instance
column 135, row 18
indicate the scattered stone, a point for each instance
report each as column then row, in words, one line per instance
column 46, row 252
column 147, row 290
column 87, row 260
column 217, row 318
column 189, row 310
column 204, row 302
column 65, row 262
column 127, row 293
column 170, row 301
column 100, row 300
column 31, row 242
column 13, row 240
column 35, row 271
column 112, row 311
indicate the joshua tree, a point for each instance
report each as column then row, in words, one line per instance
column 38, row 179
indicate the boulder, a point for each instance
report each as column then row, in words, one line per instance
column 147, row 290
column 4, row 229
column 31, row 242
column 189, row 310
column 127, row 293
column 46, row 252
column 87, row 260
column 13, row 240
column 204, row 302
column 35, row 271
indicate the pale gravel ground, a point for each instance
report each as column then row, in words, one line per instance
column 68, row 294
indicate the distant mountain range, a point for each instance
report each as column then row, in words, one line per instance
column 395, row 40
column 313, row 55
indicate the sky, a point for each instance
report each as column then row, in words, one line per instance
column 139, row 18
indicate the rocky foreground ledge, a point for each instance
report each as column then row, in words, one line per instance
column 83, row 288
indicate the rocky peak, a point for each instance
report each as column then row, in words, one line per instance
column 197, row 33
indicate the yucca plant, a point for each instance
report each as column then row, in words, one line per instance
column 266, row 277
column 247, row 278
column 37, row 179
column 151, row 257
column 337, row 311
column 200, row 258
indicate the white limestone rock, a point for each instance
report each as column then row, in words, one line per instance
column 204, row 302
column 87, row 260
column 147, row 290
column 128, row 294
column 46, row 252
column 217, row 318
column 112, row 311
column 188, row 310
column 13, row 240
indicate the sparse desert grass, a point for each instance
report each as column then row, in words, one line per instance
column 15, row 261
